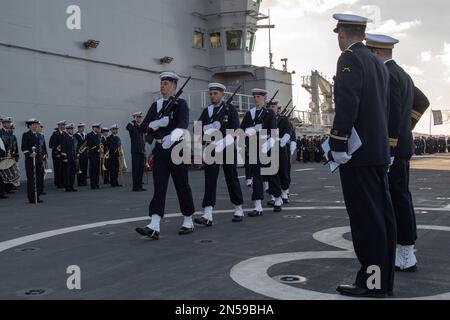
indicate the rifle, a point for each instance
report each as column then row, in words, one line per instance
column 282, row 113
column 273, row 98
column 290, row 113
column 224, row 106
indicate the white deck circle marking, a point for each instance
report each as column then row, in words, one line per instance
column 252, row 273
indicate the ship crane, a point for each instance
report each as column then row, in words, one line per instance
column 321, row 90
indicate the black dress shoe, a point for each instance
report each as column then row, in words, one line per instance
column 184, row 231
column 286, row 201
column 68, row 190
column 277, row 209
column 143, row 190
column 255, row 214
column 147, row 232
column 237, row 219
column 10, row 192
column 74, row 190
column 203, row 221
column 271, row 203
column 4, row 197
column 358, row 292
column 410, row 269
column 39, row 201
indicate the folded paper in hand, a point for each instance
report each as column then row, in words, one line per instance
column 354, row 143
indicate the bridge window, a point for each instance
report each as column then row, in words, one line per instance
column 216, row 42
column 250, row 41
column 234, row 40
column 199, row 40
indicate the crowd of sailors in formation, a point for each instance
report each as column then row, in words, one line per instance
column 431, row 145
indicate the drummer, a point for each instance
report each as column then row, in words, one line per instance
column 5, row 152
column 2, row 155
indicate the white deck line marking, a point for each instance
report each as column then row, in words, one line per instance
column 303, row 170
column 9, row 244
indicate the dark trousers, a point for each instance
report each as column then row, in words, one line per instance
column 163, row 168
column 31, row 174
column 258, row 183
column 372, row 221
column 305, row 156
column 113, row 168
column 82, row 177
column 289, row 170
column 94, row 171
column 402, row 202
column 2, row 188
column 69, row 175
column 248, row 171
column 137, row 168
column 232, row 180
column 58, row 172
column 40, row 177
column 284, row 170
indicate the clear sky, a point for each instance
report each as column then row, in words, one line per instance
column 304, row 35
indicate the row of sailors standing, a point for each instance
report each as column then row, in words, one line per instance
column 168, row 130
column 72, row 155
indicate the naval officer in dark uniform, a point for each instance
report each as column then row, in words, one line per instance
column 257, row 119
column 361, row 96
column 55, row 144
column 137, row 152
column 31, row 149
column 82, row 155
column 285, row 133
column 104, row 155
column 69, row 158
column 114, row 149
column 402, row 149
column 93, row 142
column 167, row 128
column 221, row 117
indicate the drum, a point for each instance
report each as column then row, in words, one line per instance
column 9, row 172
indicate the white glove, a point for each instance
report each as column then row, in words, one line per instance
column 168, row 141
column 211, row 127
column 258, row 127
column 164, row 122
column 155, row 125
column 286, row 138
column 269, row 144
column 250, row 131
column 341, row 157
column 293, row 147
column 223, row 144
column 392, row 161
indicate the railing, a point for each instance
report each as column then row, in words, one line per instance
column 314, row 118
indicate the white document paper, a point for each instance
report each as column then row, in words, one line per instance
column 354, row 143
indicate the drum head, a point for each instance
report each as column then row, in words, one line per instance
column 7, row 163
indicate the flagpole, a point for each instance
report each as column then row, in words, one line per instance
column 431, row 119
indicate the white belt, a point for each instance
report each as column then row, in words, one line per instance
column 159, row 141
